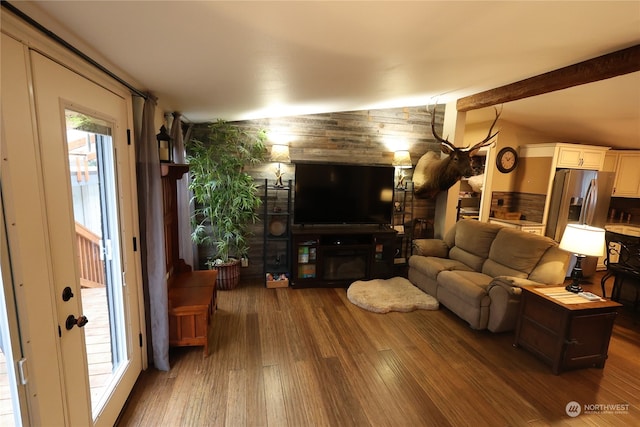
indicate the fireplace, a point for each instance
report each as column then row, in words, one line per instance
column 345, row 263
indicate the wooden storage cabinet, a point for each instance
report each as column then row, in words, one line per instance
column 192, row 297
column 192, row 302
column 565, row 336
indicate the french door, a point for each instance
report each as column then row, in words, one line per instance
column 90, row 217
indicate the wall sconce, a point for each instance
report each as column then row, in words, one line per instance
column 401, row 161
column 165, row 147
column 280, row 154
column 581, row 240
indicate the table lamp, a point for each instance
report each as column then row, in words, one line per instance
column 401, row 160
column 581, row 240
column 280, row 154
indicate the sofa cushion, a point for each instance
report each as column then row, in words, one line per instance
column 431, row 247
column 515, row 253
column 466, row 285
column 494, row 269
column 473, row 242
column 432, row 266
column 450, row 236
column 552, row 267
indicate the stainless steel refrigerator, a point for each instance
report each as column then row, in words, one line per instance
column 579, row 196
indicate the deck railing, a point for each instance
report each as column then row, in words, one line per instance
column 91, row 265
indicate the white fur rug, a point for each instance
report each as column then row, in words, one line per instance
column 395, row 294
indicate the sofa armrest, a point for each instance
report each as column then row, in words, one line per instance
column 504, row 292
column 513, row 285
column 431, row 247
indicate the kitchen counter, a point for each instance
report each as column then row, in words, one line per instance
column 616, row 223
column 623, row 228
column 520, row 224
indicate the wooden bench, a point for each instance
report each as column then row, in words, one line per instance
column 192, row 302
column 192, row 294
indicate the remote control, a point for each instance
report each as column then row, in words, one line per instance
column 589, row 296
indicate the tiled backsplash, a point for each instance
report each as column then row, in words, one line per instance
column 531, row 206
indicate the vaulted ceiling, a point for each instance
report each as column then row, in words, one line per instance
column 240, row 60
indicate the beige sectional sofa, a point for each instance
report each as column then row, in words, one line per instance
column 478, row 269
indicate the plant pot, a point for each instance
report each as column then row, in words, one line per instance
column 228, row 275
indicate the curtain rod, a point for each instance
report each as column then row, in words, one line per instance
column 67, row 45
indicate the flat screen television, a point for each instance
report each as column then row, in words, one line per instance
column 343, row 194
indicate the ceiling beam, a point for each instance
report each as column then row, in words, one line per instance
column 614, row 64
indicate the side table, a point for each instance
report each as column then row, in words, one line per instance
column 563, row 329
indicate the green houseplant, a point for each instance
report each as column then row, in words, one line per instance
column 225, row 195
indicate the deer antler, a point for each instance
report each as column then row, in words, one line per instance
column 485, row 141
column 435, row 134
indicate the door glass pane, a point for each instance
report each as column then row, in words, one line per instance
column 12, row 397
column 9, row 402
column 93, row 182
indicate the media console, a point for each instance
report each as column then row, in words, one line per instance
column 337, row 256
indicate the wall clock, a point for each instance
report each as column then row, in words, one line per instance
column 507, row 160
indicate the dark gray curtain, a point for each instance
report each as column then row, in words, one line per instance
column 152, row 236
column 183, row 195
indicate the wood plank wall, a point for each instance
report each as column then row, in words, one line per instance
column 355, row 137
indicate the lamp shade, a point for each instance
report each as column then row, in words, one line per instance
column 583, row 239
column 280, row 153
column 402, row 159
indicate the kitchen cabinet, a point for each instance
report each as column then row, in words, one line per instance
column 570, row 156
column 627, row 180
column 580, row 157
column 610, row 161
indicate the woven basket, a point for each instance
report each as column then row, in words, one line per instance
column 228, row 275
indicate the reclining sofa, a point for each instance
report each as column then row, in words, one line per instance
column 478, row 269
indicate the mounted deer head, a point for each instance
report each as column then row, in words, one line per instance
column 434, row 173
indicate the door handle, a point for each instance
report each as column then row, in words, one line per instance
column 72, row 321
column 67, row 294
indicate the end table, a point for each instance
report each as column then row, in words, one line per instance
column 563, row 329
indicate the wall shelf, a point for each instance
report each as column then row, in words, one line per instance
column 277, row 207
column 402, row 222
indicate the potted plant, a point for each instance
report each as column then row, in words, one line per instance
column 225, row 195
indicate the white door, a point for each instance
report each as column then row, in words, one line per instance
column 87, row 181
column 13, row 400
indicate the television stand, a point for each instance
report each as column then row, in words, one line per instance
column 337, row 256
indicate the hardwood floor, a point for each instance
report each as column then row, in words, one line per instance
column 284, row 357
